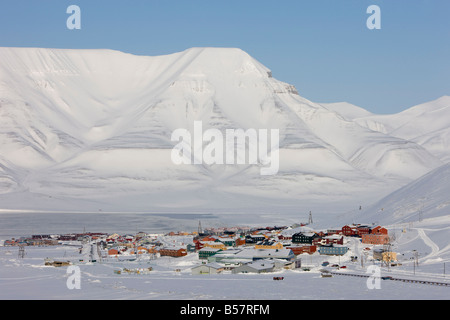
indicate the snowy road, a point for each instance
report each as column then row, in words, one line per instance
column 434, row 247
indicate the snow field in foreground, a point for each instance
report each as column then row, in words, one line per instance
column 29, row 278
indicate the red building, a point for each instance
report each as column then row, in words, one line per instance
column 173, row 252
column 334, row 239
column 379, row 230
column 310, row 249
column 334, row 231
column 363, row 230
column 349, row 230
column 198, row 245
column 375, row 238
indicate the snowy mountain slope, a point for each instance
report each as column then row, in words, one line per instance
column 95, row 126
column 373, row 152
column 426, row 198
column 417, row 217
column 427, row 124
column 347, row 110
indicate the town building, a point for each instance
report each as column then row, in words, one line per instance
column 300, row 249
column 268, row 244
column 333, row 239
column 350, row 230
column 173, row 251
column 306, row 238
column 251, row 254
column 254, row 238
column 334, row 231
column 230, row 257
column 208, row 268
column 361, row 230
column 214, row 245
column 375, row 238
column 227, row 241
column 262, row 266
column 379, row 230
column 207, row 252
column 333, row 250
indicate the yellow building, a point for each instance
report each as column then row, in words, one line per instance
column 268, row 245
column 389, row 256
column 214, row 245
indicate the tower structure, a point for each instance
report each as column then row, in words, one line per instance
column 310, row 220
column 200, row 230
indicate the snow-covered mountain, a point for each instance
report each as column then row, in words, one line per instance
column 427, row 124
column 347, row 110
column 91, row 130
column 426, row 198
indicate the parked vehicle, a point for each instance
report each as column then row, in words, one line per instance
column 278, row 278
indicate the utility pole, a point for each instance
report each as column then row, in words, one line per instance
column 420, row 213
column 21, row 252
column 415, row 260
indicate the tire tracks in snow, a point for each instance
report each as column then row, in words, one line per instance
column 434, row 247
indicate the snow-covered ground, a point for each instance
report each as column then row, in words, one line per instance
column 28, row 278
column 171, row 278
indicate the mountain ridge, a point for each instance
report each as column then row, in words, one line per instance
column 94, row 126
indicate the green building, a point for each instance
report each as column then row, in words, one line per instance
column 206, row 252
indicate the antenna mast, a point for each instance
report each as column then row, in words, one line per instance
column 200, row 230
column 310, row 221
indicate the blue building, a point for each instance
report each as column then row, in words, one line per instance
column 331, row 250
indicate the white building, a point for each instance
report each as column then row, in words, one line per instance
column 209, row 268
column 246, row 255
column 260, row 266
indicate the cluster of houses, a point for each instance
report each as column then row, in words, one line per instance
column 238, row 250
column 268, row 249
column 52, row 239
column 148, row 244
